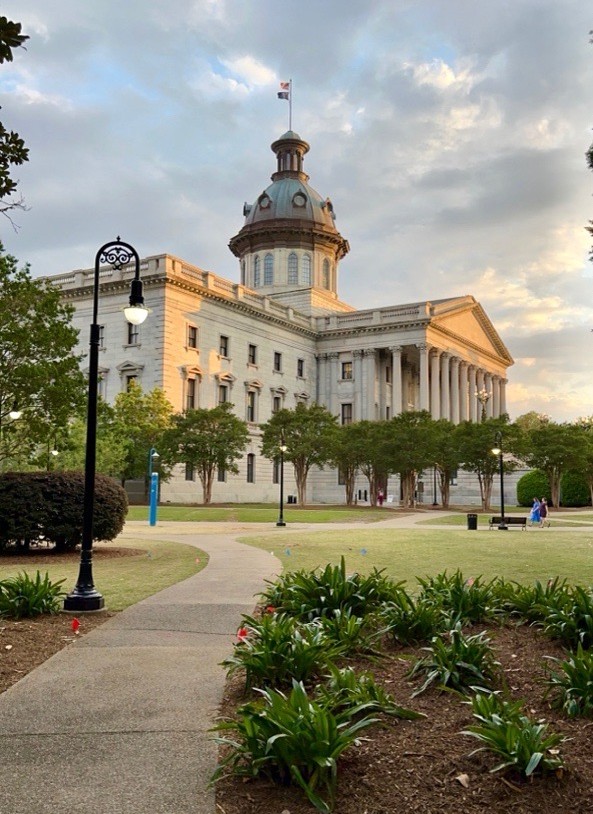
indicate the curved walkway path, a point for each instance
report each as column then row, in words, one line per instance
column 119, row 721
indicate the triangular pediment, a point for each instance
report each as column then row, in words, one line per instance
column 463, row 318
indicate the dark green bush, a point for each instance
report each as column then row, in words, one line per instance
column 48, row 506
column 22, row 596
column 532, row 484
column 574, row 490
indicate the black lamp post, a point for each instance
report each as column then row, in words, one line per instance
column 282, row 451
column 483, row 397
column 497, row 450
column 84, row 596
column 434, row 487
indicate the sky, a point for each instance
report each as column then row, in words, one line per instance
column 450, row 136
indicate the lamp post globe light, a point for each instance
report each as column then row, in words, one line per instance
column 483, row 397
column 84, row 596
column 282, row 449
column 497, row 450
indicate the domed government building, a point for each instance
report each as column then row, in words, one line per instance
column 282, row 336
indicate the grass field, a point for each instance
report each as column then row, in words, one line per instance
column 242, row 513
column 122, row 580
column 518, row 555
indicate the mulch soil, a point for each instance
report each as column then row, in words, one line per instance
column 425, row 765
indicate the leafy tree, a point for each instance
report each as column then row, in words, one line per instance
column 446, row 456
column 208, row 440
column 141, row 419
column 346, row 457
column 39, row 370
column 308, row 432
column 12, row 147
column 111, row 451
column 363, row 445
column 475, row 442
column 555, row 449
column 411, row 439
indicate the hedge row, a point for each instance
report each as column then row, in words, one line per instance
column 48, row 506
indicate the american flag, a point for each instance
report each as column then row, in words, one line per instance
column 284, row 92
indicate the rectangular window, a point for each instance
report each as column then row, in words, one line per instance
column 189, row 472
column 221, row 475
column 132, row 334
column 276, row 470
column 346, row 370
column 346, row 413
column 453, row 479
column 277, row 362
column 251, row 468
column 341, row 478
column 192, row 336
column 252, row 354
column 251, row 404
column 223, row 393
column 190, row 400
column 276, row 404
column 224, row 346
column 129, row 379
column 301, row 368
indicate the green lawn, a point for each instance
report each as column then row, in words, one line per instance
column 123, row 580
column 518, row 555
column 242, row 513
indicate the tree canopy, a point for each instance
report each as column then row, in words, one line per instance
column 12, row 147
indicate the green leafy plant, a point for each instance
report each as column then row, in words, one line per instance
column 311, row 594
column 572, row 687
column 467, row 600
column 457, row 661
column 22, row 596
column 355, row 634
column 411, row 621
column 533, row 603
column 291, row 739
column 346, row 688
column 521, row 742
column 276, row 649
column 572, row 621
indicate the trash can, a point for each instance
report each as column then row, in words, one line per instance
column 472, row 522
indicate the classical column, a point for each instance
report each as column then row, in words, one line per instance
column 455, row 389
column 472, row 389
column 488, row 388
column 424, row 402
column 358, row 383
column 396, row 380
column 463, row 391
column 445, row 386
column 333, row 383
column 503, row 396
column 435, row 384
column 369, row 378
column 321, row 378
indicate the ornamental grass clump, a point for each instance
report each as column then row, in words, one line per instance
column 277, row 649
column 410, row 621
column 346, row 688
column 291, row 739
column 23, row 596
column 466, row 600
column 321, row 592
column 457, row 661
column 523, row 743
column 572, row 687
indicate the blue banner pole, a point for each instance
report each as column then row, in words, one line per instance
column 154, row 495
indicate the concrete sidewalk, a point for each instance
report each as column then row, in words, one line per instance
column 117, row 723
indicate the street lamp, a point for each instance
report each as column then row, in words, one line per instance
column 282, row 449
column 434, row 487
column 153, row 485
column 483, row 397
column 497, row 450
column 84, row 596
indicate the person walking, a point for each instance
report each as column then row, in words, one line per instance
column 544, row 512
column 534, row 514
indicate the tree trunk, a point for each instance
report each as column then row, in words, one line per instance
column 300, row 476
column 444, row 488
column 207, row 477
column 349, row 481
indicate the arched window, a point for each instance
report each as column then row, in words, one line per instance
column 306, row 265
column 325, row 280
column 293, row 269
column 269, row 269
column 256, row 272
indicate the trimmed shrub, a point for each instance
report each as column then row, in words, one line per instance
column 574, row 490
column 532, row 484
column 48, row 506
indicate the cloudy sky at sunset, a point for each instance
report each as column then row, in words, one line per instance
column 449, row 134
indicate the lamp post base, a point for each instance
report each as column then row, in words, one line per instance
column 280, row 523
column 84, row 601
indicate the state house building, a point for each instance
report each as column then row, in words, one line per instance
column 282, row 336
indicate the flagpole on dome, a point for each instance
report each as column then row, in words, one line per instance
column 285, row 92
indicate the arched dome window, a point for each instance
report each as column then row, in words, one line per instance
column 325, row 278
column 306, row 265
column 256, row 272
column 269, row 269
column 293, row 269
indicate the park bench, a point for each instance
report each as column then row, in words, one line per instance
column 509, row 521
